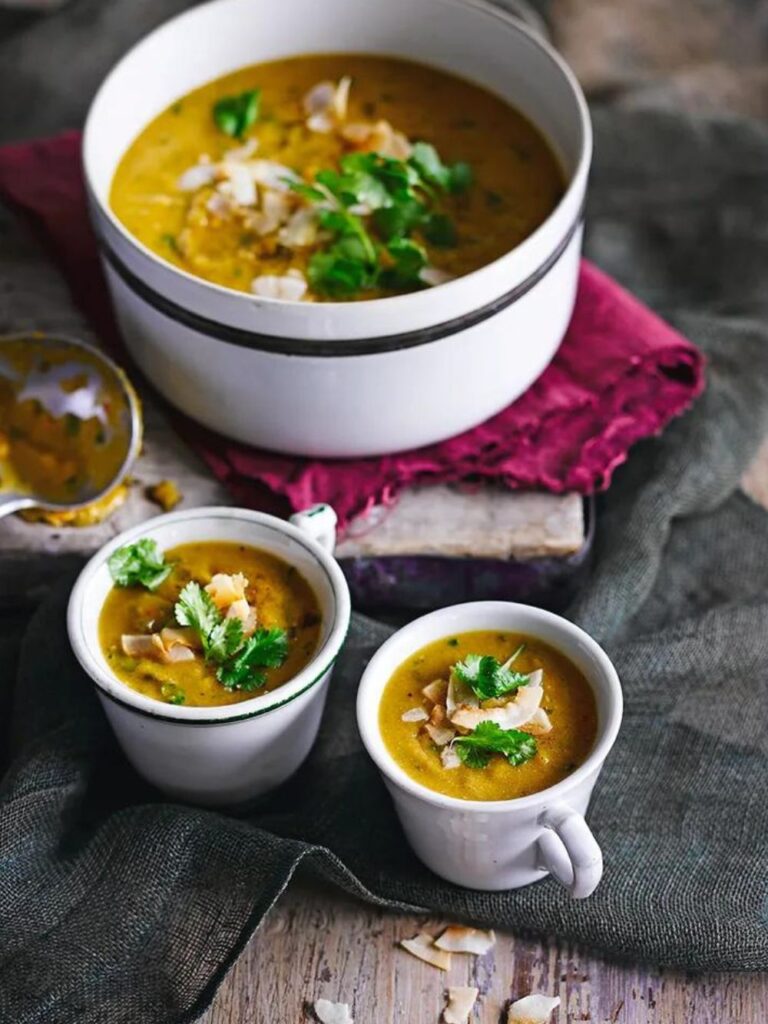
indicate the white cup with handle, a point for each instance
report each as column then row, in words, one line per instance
column 499, row 844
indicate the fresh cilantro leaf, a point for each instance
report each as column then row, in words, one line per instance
column 460, row 177
column 399, row 219
column 138, row 564
column 425, row 158
column 267, row 648
column 355, row 186
column 487, row 677
column 488, row 738
column 219, row 637
column 234, row 115
column 350, row 264
column 308, row 192
column 408, row 258
column 440, row 230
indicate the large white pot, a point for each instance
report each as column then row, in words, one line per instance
column 233, row 753
column 344, row 379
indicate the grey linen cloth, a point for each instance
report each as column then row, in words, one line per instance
column 117, row 906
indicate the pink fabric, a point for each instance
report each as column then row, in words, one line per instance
column 620, row 375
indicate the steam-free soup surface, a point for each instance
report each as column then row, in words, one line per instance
column 515, row 178
column 568, row 701
column 278, row 594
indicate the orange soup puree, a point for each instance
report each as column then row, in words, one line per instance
column 275, row 597
column 498, row 182
column 550, row 746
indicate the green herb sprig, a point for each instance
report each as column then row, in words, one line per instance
column 234, row 115
column 139, row 564
column 487, row 677
column 488, row 738
column 222, row 639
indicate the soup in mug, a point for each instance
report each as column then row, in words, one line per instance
column 336, row 177
column 488, row 715
column 208, row 623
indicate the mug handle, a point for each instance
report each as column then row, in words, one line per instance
column 569, row 851
column 319, row 522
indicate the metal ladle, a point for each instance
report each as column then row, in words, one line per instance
column 106, row 394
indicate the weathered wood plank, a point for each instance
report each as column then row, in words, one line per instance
column 318, row 944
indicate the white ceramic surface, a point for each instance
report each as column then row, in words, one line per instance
column 229, row 754
column 501, row 844
column 360, row 378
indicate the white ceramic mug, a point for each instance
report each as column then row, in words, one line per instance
column 233, row 753
column 499, row 844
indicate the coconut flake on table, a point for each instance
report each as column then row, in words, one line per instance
column 290, row 287
column 461, row 999
column 423, row 947
column 414, row 715
column 460, row 939
column 332, row 1013
column 532, row 1009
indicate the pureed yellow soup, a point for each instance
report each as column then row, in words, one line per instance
column 336, row 177
column 208, row 623
column 488, row 716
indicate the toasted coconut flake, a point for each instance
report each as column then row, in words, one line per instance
column 196, row 177
column 326, row 105
column 414, row 715
column 459, row 695
column 436, row 691
column 219, row 204
column 380, row 137
column 226, row 588
column 332, row 1013
column 539, row 724
column 270, row 174
column 532, row 1009
column 288, row 287
column 433, row 276
column 145, row 645
column 240, row 153
column 458, row 939
column 175, row 637
column 461, row 999
column 450, row 758
column 238, row 182
column 178, row 653
column 423, row 947
column 439, row 735
column 275, row 210
column 301, row 229
column 509, row 716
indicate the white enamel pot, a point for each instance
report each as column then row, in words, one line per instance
column 359, row 378
column 498, row 844
column 230, row 754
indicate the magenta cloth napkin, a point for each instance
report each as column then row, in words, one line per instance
column 620, row 375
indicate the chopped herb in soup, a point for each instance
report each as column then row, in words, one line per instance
column 488, row 716
column 209, row 623
column 336, row 177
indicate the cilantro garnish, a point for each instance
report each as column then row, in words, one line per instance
column 399, row 197
column 487, row 677
column 220, row 637
column 223, row 641
column 488, row 738
column 138, row 564
column 234, row 115
column 267, row 648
